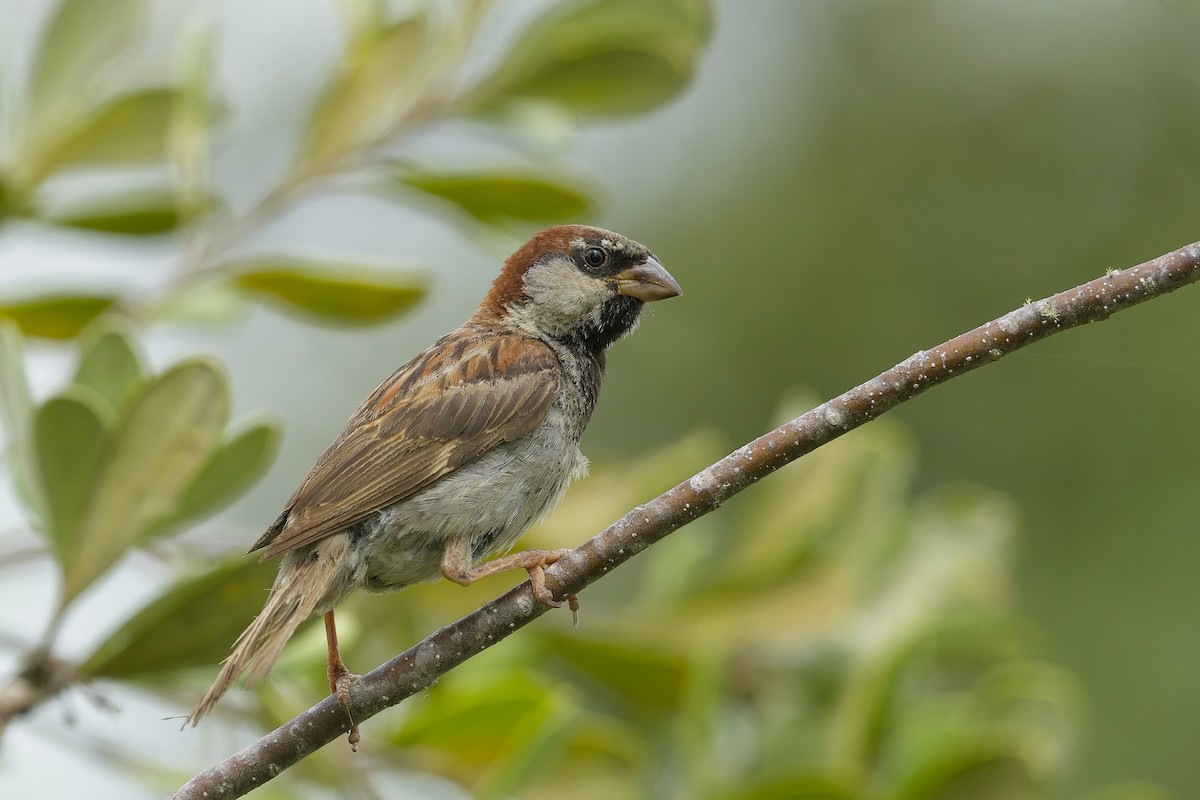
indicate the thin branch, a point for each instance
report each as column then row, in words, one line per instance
column 421, row 665
column 41, row 677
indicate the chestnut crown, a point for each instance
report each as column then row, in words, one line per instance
column 580, row 284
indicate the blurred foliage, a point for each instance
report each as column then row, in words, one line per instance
column 857, row 181
column 495, row 197
column 837, row 638
column 338, row 293
column 192, row 624
column 119, row 456
column 56, row 316
column 603, row 57
column 395, row 77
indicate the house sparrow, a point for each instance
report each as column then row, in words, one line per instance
column 460, row 451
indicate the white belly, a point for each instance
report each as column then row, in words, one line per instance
column 493, row 500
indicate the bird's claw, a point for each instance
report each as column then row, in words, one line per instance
column 542, row 593
column 340, row 681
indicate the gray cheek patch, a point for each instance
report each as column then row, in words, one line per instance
column 561, row 295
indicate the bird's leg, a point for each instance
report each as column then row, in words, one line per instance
column 457, row 566
column 340, row 678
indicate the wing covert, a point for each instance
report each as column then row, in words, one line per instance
column 443, row 409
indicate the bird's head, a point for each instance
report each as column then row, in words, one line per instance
column 580, row 284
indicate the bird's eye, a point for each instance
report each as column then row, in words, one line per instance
column 594, row 257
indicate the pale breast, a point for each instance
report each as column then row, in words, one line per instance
column 493, row 500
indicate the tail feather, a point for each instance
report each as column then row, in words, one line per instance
column 305, row 583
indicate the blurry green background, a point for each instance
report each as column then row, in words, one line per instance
column 843, row 183
column 906, row 171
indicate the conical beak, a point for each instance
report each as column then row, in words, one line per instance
column 647, row 281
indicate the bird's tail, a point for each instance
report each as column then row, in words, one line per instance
column 306, row 582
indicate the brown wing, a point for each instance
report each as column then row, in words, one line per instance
column 443, row 409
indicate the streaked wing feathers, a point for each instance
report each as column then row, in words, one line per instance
column 445, row 408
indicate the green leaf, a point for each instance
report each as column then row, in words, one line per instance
column 208, row 301
column 376, row 86
column 604, row 57
column 138, row 213
column 232, row 469
column 474, row 718
column 975, row 771
column 16, row 409
column 70, row 434
column 56, row 316
column 109, row 364
column 82, row 39
column 5, row 210
column 540, row 125
column 193, row 624
column 802, row 787
column 341, row 294
column 1132, row 791
column 130, row 129
column 154, row 453
column 498, row 196
column 534, row 740
column 15, row 401
column 652, row 680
